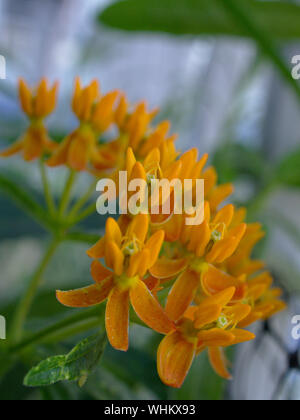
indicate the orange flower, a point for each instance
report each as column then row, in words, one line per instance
column 210, row 325
column 128, row 258
column 37, row 105
column 96, row 114
column 210, row 243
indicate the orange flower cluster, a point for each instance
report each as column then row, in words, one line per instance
column 198, row 285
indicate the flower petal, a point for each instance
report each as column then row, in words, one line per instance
column 216, row 337
column 60, row 156
column 238, row 311
column 221, row 298
column 78, row 153
column 219, row 362
column 241, row 336
column 117, row 318
column 87, row 296
column 99, row 272
column 174, row 359
column 165, row 268
column 154, row 245
column 148, row 309
column 139, row 227
column 112, row 231
column 182, row 294
column 114, row 257
column 13, row 149
column 98, row 250
column 25, row 97
column 207, row 314
column 33, row 144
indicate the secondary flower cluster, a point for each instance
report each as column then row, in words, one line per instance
column 198, row 285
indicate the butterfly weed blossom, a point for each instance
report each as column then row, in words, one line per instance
column 37, row 104
column 213, row 286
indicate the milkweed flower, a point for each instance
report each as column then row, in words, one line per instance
column 209, row 243
column 96, row 114
column 215, row 288
column 128, row 258
column 37, row 104
column 211, row 325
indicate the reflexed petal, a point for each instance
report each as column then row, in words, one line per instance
column 219, row 362
column 98, row 250
column 117, row 318
column 216, row 337
column 215, row 280
column 79, row 153
column 33, row 144
column 182, row 294
column 174, row 359
column 164, row 268
column 250, row 319
column 148, row 309
column 87, row 296
column 13, row 149
column 241, row 336
column 99, row 272
column 60, row 156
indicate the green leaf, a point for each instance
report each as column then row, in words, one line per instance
column 75, row 366
column 288, row 172
column 23, row 200
column 201, row 17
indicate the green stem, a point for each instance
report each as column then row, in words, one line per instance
column 240, row 13
column 67, row 193
column 58, row 328
column 26, row 302
column 85, row 214
column 46, row 186
column 84, row 199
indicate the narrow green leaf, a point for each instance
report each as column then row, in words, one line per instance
column 75, row 366
column 201, row 17
column 288, row 172
column 23, row 200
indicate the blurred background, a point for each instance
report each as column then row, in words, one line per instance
column 230, row 96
